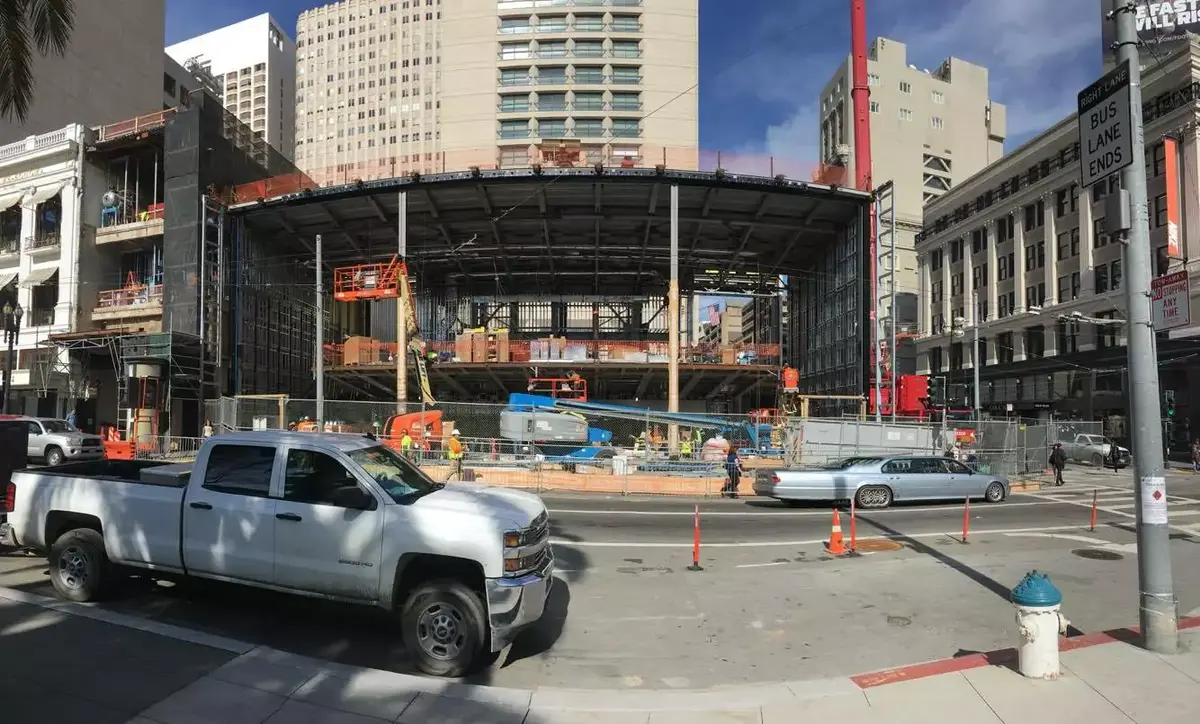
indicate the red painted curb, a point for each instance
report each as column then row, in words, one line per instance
column 1000, row 657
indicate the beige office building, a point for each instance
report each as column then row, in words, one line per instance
column 386, row 88
column 930, row 129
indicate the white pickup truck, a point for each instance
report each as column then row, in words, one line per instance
column 339, row 517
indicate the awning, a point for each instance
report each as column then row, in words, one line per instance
column 6, row 278
column 11, row 199
column 43, row 193
column 39, row 276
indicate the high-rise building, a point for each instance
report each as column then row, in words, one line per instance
column 254, row 63
column 387, row 88
column 929, row 131
column 110, row 70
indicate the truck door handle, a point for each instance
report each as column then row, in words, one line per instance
column 289, row 516
column 201, row 506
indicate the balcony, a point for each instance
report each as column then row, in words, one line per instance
column 116, row 227
column 128, row 302
column 43, row 243
column 509, row 134
column 10, row 250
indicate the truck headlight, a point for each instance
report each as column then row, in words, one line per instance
column 512, row 539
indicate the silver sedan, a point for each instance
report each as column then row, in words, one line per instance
column 877, row 482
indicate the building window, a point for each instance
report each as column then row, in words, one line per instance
column 906, row 114
column 626, row 128
column 905, row 87
column 1075, row 241
column 938, row 97
column 514, row 129
column 1035, row 342
column 872, row 79
column 595, row 102
column 1004, row 348
column 979, row 240
column 935, row 260
column 589, row 128
column 1101, row 278
column 979, row 276
column 1114, row 275
column 956, row 250
column 1060, row 203
column 937, row 123
column 874, row 107
column 1160, row 211
column 1068, row 337
column 514, row 104
column 589, row 75
column 1159, row 163
column 1107, row 334
column 1005, row 228
column 622, row 75
column 1099, row 238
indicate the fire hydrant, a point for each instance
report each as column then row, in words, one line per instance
column 1039, row 624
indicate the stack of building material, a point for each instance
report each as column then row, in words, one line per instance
column 359, row 351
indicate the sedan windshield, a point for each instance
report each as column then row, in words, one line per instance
column 850, row 462
column 394, row 473
column 58, row 426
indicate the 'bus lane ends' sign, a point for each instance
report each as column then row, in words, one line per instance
column 1105, row 126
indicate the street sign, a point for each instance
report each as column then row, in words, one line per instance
column 1170, row 302
column 1105, row 126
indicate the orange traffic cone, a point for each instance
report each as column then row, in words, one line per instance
column 836, row 546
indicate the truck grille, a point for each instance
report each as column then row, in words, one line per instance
column 537, row 531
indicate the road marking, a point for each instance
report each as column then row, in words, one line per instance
column 1114, row 511
column 1093, row 542
column 763, row 565
column 813, row 541
column 781, row 512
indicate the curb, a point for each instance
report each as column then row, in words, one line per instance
column 1001, row 657
column 548, row 699
column 542, row 699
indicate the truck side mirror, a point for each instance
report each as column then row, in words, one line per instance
column 354, row 497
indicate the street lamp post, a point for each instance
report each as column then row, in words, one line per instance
column 12, row 328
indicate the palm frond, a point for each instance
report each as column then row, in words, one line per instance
column 51, row 22
column 16, row 74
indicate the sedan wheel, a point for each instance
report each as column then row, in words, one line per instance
column 873, row 496
column 994, row 493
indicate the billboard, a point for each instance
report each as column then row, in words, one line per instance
column 1162, row 27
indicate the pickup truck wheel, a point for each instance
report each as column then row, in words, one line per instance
column 54, row 456
column 79, row 567
column 1098, row 460
column 445, row 627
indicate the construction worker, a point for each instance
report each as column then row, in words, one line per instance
column 454, row 451
column 685, row 448
column 406, row 444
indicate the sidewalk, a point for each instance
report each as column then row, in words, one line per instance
column 66, row 663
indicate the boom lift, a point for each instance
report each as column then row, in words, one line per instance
column 369, row 282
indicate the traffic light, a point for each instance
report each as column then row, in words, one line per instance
column 937, row 391
column 1169, row 402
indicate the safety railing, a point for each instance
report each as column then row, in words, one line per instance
column 600, row 154
column 133, row 126
column 143, row 295
column 368, row 352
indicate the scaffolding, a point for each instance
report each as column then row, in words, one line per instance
column 885, row 303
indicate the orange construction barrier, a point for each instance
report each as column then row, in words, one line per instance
column 836, row 545
column 118, row 450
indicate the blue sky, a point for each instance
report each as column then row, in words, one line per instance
column 764, row 62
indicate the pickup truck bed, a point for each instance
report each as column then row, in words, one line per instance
column 148, row 472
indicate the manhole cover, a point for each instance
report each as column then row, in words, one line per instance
column 1098, row 555
column 899, row 620
column 877, row 546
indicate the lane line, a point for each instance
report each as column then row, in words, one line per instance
column 1093, row 542
column 763, row 565
column 813, row 541
column 954, row 509
column 1128, row 515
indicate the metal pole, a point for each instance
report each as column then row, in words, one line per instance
column 892, row 244
column 673, row 326
column 878, row 322
column 1157, row 604
column 402, row 306
column 320, row 359
column 9, row 334
column 975, row 362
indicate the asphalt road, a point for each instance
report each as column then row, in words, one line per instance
column 769, row 605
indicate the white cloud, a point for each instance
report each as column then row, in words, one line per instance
column 1039, row 53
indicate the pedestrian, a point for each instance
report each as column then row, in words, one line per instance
column 733, row 467
column 454, row 451
column 1058, row 461
column 1114, row 454
column 1196, row 455
column 406, row 444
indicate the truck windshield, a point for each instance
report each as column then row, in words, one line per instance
column 58, row 426
column 397, row 476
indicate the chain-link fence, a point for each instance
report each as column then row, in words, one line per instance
column 626, row 449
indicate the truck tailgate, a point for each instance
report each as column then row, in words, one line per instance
column 141, row 522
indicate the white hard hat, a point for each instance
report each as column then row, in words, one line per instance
column 456, row 432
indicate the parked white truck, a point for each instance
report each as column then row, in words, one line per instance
column 1095, row 450
column 338, row 517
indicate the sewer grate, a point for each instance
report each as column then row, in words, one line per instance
column 1097, row 555
column 876, row 546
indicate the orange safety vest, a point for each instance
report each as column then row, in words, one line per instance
column 456, row 448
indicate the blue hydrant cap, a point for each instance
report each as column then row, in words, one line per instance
column 1035, row 589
